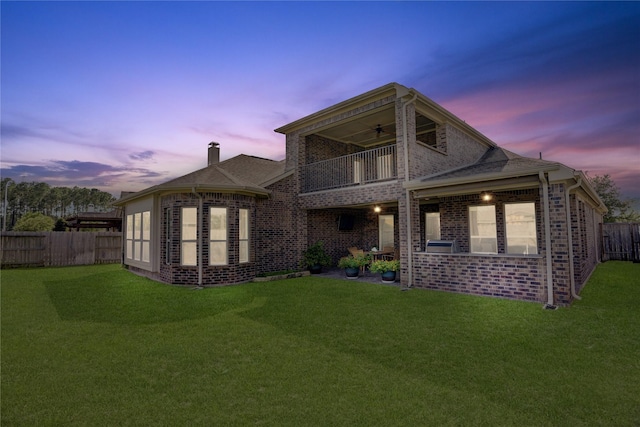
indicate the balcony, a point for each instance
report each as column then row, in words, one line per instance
column 364, row 167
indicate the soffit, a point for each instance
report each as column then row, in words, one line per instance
column 374, row 128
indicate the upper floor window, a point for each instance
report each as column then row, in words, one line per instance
column 218, row 236
column 244, row 235
column 482, row 229
column 189, row 236
column 520, row 224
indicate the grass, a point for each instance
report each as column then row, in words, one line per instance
column 100, row 346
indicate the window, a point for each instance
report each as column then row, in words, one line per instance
column 385, row 227
column 138, row 236
column 167, row 235
column 129, row 248
column 218, row 236
column 385, row 166
column 189, row 236
column 482, row 229
column 520, row 219
column 244, row 235
column 432, row 225
column 146, row 235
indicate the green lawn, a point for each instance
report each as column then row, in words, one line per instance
column 100, row 346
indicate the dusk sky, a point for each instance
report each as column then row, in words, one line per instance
column 124, row 95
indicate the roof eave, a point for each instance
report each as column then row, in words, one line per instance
column 349, row 104
column 190, row 188
column 419, row 184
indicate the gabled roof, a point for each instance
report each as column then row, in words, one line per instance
column 241, row 174
column 356, row 124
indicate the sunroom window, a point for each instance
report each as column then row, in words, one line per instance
column 520, row 220
column 189, row 236
column 482, row 229
column 244, row 235
column 138, row 236
column 218, row 236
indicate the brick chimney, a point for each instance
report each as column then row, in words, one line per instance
column 214, row 153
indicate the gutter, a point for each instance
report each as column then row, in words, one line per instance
column 199, row 235
column 547, row 241
column 490, row 176
column 408, row 191
column 567, row 203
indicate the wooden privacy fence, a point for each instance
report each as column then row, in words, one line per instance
column 621, row 242
column 46, row 249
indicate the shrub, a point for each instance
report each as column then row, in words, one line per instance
column 354, row 262
column 382, row 266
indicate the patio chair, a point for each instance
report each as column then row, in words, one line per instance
column 354, row 251
column 390, row 256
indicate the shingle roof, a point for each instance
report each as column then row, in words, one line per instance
column 240, row 173
column 241, row 170
column 496, row 161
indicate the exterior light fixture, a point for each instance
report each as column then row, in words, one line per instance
column 486, row 197
column 377, row 209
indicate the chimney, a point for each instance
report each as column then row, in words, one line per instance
column 214, row 153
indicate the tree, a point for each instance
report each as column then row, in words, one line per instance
column 619, row 210
column 61, row 225
column 34, row 221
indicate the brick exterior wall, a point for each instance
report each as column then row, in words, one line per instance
column 278, row 246
column 559, row 250
column 585, row 221
column 319, row 148
column 454, row 149
column 519, row 278
column 234, row 272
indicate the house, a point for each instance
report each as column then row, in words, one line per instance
column 389, row 167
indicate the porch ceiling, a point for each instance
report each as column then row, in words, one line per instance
column 369, row 130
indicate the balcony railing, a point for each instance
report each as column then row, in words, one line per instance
column 378, row 164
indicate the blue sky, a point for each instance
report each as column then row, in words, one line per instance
column 123, row 95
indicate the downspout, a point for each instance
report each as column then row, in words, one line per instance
column 547, row 240
column 572, row 280
column 407, row 191
column 199, row 235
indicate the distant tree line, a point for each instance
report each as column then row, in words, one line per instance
column 20, row 199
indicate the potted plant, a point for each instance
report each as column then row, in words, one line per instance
column 387, row 268
column 315, row 257
column 353, row 264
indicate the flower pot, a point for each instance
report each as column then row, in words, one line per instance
column 388, row 277
column 315, row 269
column 352, row 272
